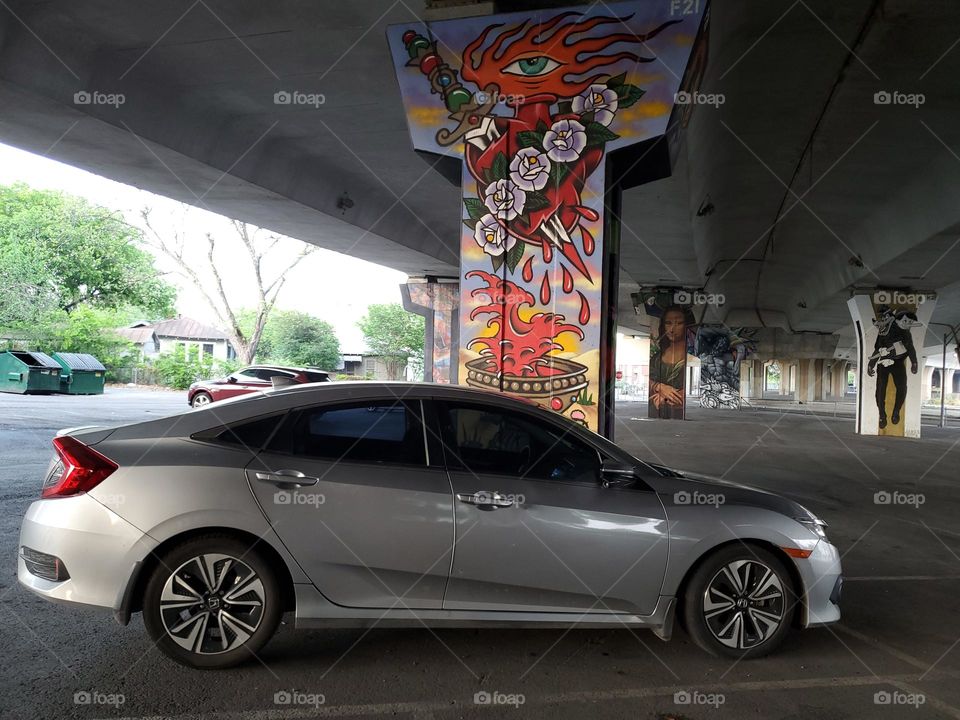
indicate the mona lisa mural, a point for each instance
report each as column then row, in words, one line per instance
column 534, row 104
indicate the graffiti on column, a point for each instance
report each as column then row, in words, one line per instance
column 890, row 327
column 893, row 356
column 438, row 303
column 672, row 334
column 533, row 103
column 721, row 351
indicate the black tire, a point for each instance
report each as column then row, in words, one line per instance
column 753, row 635
column 201, row 399
column 235, row 629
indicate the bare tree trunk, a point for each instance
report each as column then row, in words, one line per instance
column 244, row 343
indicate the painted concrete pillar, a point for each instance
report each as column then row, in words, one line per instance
column 439, row 303
column 536, row 107
column 890, row 328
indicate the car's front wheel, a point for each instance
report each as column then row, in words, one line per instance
column 739, row 603
column 201, row 399
column 212, row 602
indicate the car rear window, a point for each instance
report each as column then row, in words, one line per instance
column 388, row 431
column 251, row 434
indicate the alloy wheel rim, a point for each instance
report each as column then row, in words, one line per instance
column 744, row 604
column 201, row 399
column 212, row 604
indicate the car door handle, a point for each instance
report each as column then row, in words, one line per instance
column 486, row 500
column 287, row 479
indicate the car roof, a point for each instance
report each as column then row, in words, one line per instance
column 283, row 367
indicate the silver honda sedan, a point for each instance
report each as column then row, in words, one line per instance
column 392, row 504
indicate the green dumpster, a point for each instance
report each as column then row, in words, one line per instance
column 28, row 372
column 80, row 374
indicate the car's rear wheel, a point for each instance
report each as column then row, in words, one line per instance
column 212, row 602
column 739, row 603
column 201, row 398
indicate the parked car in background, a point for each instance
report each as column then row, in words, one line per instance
column 354, row 504
column 251, row 379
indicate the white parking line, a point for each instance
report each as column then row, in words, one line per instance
column 433, row 706
column 885, row 578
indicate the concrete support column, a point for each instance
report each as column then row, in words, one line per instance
column 838, row 384
column 439, row 303
column 890, row 329
column 927, row 382
column 804, row 381
column 820, row 382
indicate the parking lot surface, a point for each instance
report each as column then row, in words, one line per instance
column 893, row 509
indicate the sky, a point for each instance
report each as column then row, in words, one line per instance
column 324, row 284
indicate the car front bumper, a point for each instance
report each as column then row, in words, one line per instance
column 98, row 549
column 822, row 579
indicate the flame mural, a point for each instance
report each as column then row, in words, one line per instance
column 533, row 103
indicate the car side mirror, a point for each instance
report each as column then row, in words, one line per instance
column 231, row 379
column 614, row 473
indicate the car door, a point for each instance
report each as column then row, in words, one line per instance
column 353, row 495
column 535, row 528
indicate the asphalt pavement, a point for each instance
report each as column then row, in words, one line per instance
column 895, row 654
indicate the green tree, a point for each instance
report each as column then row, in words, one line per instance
column 394, row 334
column 90, row 330
column 58, row 252
column 297, row 338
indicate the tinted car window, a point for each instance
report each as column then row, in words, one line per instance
column 313, row 376
column 252, row 434
column 484, row 439
column 267, row 373
column 372, row 432
column 246, row 375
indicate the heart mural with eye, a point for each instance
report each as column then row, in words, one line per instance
column 552, row 95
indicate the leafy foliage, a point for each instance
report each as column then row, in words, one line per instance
column 58, row 252
column 183, row 366
column 393, row 333
column 295, row 338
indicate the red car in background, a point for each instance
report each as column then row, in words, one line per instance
column 250, row 379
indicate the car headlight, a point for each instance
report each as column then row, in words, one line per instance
column 813, row 523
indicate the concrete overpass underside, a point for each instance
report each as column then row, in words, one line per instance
column 799, row 189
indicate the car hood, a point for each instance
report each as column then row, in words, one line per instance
column 733, row 493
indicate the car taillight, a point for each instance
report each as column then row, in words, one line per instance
column 79, row 469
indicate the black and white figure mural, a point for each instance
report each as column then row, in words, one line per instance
column 721, row 351
column 890, row 326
